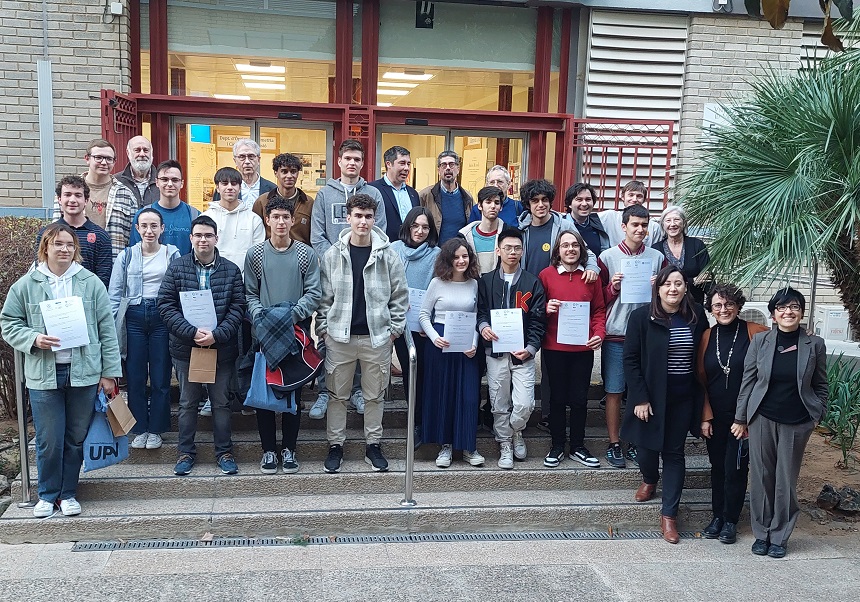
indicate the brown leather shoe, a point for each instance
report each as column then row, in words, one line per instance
column 669, row 527
column 645, row 492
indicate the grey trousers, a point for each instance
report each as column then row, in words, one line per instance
column 776, row 452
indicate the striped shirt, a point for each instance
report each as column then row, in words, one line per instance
column 680, row 354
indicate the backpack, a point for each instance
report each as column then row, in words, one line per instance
column 298, row 369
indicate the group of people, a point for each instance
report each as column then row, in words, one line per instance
column 359, row 264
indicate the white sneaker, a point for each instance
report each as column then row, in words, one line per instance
column 70, row 507
column 206, row 410
column 139, row 442
column 153, row 441
column 443, row 460
column 43, row 509
column 520, row 450
column 358, row 402
column 506, row 455
column 473, row 458
column 319, row 408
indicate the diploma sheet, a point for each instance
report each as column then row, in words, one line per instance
column 65, row 319
column 573, row 322
column 199, row 309
column 508, row 326
column 416, row 299
column 460, row 330
column 636, row 284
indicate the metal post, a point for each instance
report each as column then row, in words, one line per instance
column 26, row 500
column 407, row 500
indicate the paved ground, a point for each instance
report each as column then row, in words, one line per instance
column 817, row 568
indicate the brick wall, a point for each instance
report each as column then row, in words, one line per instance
column 87, row 55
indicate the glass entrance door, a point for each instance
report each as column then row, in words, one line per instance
column 424, row 149
column 311, row 143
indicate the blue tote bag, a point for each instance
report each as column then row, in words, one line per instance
column 101, row 448
column 261, row 395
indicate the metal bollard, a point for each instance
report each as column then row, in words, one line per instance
column 407, row 500
column 26, row 500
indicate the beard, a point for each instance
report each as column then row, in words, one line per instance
column 141, row 165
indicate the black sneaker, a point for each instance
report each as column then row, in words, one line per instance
column 334, row 459
column 584, row 457
column 373, row 456
column 554, row 457
column 269, row 463
column 631, row 454
column 615, row 456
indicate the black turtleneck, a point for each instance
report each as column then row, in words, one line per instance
column 724, row 399
column 782, row 402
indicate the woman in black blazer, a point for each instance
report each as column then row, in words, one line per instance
column 783, row 396
column 664, row 399
column 687, row 252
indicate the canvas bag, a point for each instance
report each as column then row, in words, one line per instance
column 262, row 397
column 101, row 447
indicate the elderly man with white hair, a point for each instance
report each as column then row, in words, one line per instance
column 687, row 252
column 138, row 175
column 499, row 177
column 246, row 154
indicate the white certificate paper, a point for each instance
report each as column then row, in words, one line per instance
column 416, row 300
column 460, row 330
column 508, row 326
column 199, row 309
column 65, row 319
column 574, row 319
column 636, row 284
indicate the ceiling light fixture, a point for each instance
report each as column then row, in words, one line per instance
column 417, row 76
column 397, row 84
column 384, row 104
column 263, row 78
column 231, row 97
column 264, row 86
column 273, row 69
column 384, row 92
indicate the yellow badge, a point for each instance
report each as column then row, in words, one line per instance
column 545, row 247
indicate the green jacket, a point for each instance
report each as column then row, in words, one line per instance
column 21, row 320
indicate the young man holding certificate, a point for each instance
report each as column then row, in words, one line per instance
column 576, row 326
column 511, row 315
column 188, row 314
column 627, row 272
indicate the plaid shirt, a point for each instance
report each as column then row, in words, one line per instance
column 204, row 271
column 119, row 213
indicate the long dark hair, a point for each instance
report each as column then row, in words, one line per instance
column 687, row 309
column 406, row 228
column 444, row 268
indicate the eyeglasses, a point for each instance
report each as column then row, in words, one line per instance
column 568, row 245
column 169, row 180
column 447, row 164
column 728, row 306
column 512, row 250
column 791, row 306
column 248, row 157
column 503, row 184
column 64, row 246
column 419, row 228
column 102, row 159
column 203, row 236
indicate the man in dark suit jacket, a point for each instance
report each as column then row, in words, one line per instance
column 398, row 196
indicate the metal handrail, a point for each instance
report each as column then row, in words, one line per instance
column 26, row 500
column 407, row 500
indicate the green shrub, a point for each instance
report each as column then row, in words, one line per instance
column 842, row 418
column 17, row 245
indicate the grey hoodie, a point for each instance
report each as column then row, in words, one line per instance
column 328, row 218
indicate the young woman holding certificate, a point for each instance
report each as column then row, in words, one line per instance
column 576, row 326
column 450, row 412
column 62, row 380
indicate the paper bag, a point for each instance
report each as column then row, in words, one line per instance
column 119, row 416
column 201, row 368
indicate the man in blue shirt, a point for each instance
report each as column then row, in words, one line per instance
column 399, row 197
column 177, row 215
column 447, row 202
column 499, row 177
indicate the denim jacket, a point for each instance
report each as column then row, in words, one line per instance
column 126, row 280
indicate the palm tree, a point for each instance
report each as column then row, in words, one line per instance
column 778, row 184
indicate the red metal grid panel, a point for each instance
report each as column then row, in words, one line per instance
column 119, row 120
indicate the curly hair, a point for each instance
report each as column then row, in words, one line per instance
column 729, row 292
column 444, row 268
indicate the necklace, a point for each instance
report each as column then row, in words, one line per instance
column 727, row 368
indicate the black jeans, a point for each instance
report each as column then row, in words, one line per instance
column 266, row 425
column 678, row 416
column 729, row 471
column 569, row 375
column 403, row 357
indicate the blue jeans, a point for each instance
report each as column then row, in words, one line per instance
column 62, row 418
column 148, row 355
column 190, row 396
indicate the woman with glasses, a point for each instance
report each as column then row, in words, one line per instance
column 418, row 249
column 143, row 337
column 783, row 396
column 664, row 400
column 720, row 368
column 680, row 249
column 62, row 381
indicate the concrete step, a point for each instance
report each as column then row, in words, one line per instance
column 313, row 446
column 291, row 515
column 157, row 481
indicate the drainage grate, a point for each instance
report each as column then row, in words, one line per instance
column 249, row 542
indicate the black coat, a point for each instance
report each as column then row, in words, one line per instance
column 646, row 350
column 228, row 294
column 696, row 259
column 526, row 292
column 392, row 209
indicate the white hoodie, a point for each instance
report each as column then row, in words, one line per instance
column 238, row 230
column 61, row 286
